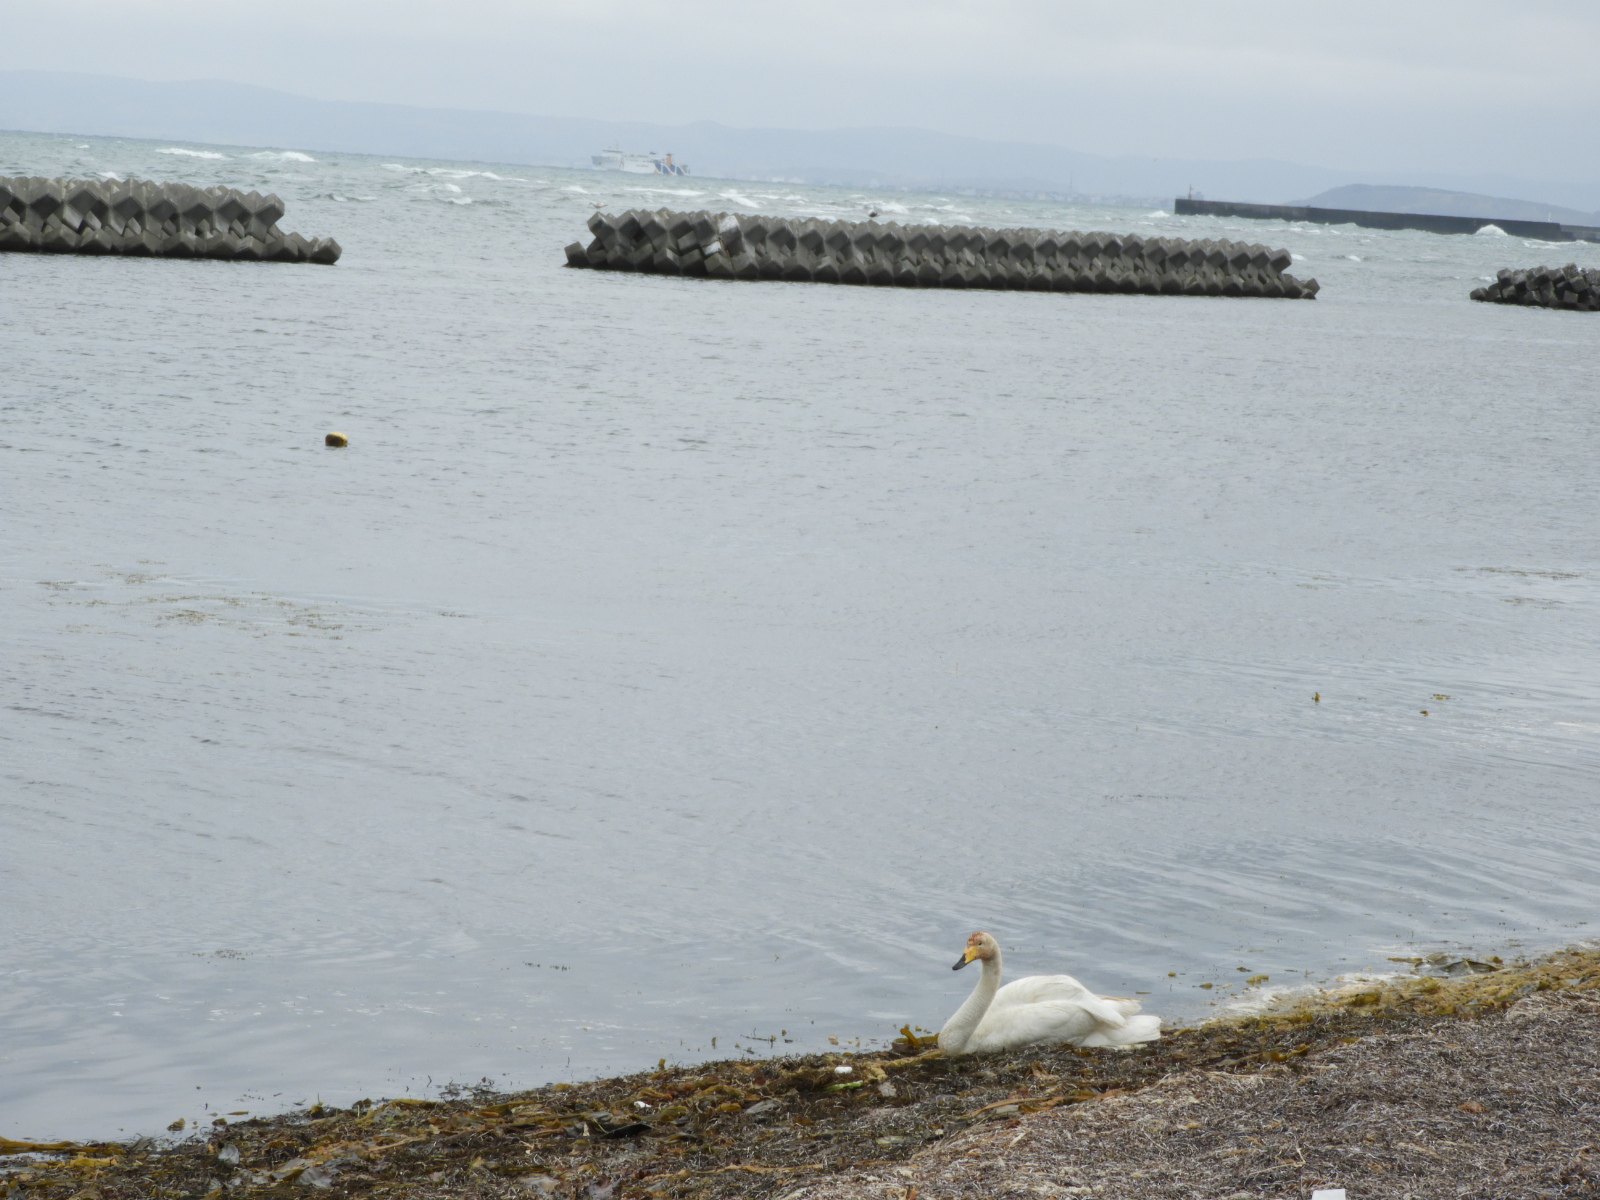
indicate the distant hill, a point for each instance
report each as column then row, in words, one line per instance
column 231, row 114
column 1368, row 197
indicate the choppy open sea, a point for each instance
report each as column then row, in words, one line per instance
column 678, row 668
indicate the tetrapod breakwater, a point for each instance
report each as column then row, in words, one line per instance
column 1547, row 231
column 137, row 217
column 1570, row 286
column 887, row 254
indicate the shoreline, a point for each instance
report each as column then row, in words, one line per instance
column 905, row 1121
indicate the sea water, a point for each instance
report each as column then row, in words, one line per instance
column 675, row 668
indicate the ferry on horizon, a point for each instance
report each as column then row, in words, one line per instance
column 638, row 164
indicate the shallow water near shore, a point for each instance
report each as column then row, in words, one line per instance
column 669, row 660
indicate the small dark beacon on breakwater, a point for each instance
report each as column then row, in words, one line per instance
column 731, row 246
column 136, row 217
column 1570, row 286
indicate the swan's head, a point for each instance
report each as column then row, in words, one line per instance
column 979, row 945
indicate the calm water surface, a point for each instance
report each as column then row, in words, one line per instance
column 672, row 660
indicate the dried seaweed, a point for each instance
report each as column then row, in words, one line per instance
column 817, row 1124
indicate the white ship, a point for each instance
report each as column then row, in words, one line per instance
column 638, row 164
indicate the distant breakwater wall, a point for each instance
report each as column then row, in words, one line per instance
column 1545, row 287
column 1545, row 231
column 136, row 217
column 887, row 254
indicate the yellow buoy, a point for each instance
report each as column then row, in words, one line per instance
column 336, row 439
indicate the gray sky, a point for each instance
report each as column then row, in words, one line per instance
column 1462, row 86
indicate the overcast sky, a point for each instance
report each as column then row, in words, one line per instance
column 1463, row 86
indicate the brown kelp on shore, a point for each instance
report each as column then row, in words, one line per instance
column 771, row 1127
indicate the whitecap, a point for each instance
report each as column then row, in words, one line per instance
column 191, row 153
column 109, row 175
column 738, row 199
column 1160, row 212
column 666, row 191
column 450, row 187
column 893, row 206
column 457, row 173
column 1492, row 231
column 1353, row 257
column 284, row 155
column 572, row 187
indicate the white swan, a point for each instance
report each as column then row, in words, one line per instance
column 1038, row 1009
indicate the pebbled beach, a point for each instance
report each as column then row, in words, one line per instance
column 1420, row 1085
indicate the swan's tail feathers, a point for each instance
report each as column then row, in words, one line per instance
column 1145, row 1028
column 1126, row 1005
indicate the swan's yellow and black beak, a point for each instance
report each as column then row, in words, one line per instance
column 972, row 953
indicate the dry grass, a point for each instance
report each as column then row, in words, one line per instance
column 1481, row 1086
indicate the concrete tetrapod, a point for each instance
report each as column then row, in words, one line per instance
column 1570, row 287
column 887, row 254
column 140, row 218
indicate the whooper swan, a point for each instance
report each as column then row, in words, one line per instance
column 1038, row 1009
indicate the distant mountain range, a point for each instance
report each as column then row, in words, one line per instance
column 231, row 114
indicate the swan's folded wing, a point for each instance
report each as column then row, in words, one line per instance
column 1059, row 989
column 1042, row 1022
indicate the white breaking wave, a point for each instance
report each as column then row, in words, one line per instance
column 191, row 153
column 738, row 199
column 284, row 155
column 1492, row 231
column 667, row 191
column 452, row 173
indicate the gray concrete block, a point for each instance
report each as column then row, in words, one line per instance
column 56, row 238
column 138, row 217
column 17, row 237
column 602, row 227
column 869, row 253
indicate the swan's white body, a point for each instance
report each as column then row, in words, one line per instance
column 1036, row 1010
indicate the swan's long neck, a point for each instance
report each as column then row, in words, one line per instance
column 958, row 1030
